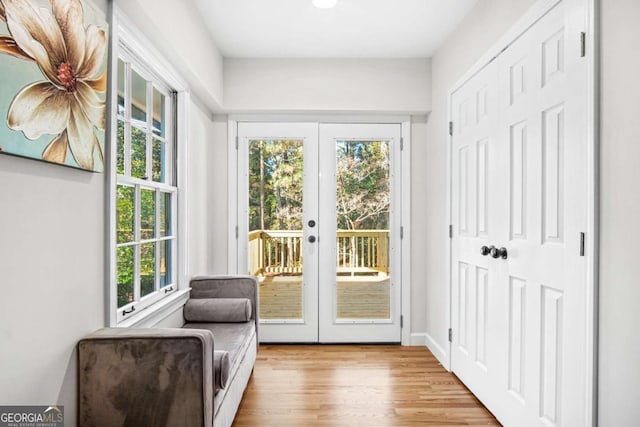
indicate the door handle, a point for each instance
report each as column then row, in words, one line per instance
column 498, row 253
column 484, row 251
column 312, row 239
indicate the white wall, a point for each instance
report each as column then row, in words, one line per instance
column 52, row 272
column 619, row 349
column 486, row 22
column 207, row 196
column 420, row 207
column 333, row 85
column 51, row 277
column 179, row 33
column 199, row 184
column 217, row 211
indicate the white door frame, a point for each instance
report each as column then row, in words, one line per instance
column 232, row 190
column 538, row 10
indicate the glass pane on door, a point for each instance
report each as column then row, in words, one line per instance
column 275, row 226
column 363, row 199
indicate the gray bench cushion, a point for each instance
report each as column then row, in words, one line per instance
column 221, row 369
column 218, row 310
column 229, row 337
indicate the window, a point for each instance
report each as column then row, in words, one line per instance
column 146, row 190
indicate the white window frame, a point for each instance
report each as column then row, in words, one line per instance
column 128, row 43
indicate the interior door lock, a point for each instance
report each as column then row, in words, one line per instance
column 311, row 223
column 499, row 253
column 484, row 251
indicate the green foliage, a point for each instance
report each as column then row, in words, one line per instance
column 139, row 154
column 125, row 216
column 125, row 234
column 147, row 268
column 120, row 149
column 276, row 185
column 362, row 187
column 125, row 256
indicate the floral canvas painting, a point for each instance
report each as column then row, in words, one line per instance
column 53, row 81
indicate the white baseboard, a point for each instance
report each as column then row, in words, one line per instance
column 438, row 351
column 418, row 339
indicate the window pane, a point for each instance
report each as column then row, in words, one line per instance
column 147, row 214
column 124, row 214
column 158, row 164
column 363, row 200
column 158, row 113
column 165, row 263
column 165, row 215
column 120, row 159
column 146, row 244
column 138, row 153
column 147, row 268
column 125, row 275
column 121, row 86
column 138, row 100
column 276, row 181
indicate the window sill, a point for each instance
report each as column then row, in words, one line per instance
column 152, row 315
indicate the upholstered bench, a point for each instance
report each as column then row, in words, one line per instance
column 191, row 376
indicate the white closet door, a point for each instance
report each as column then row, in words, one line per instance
column 534, row 372
column 542, row 126
column 475, row 353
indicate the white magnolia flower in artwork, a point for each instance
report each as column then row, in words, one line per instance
column 71, row 57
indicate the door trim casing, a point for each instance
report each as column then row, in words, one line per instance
column 232, row 189
column 537, row 11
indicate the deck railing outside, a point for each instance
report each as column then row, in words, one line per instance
column 280, row 252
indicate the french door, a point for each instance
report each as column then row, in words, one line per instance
column 317, row 225
column 519, row 212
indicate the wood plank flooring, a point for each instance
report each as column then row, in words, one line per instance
column 358, row 297
column 355, row 385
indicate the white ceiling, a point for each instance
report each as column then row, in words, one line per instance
column 353, row 29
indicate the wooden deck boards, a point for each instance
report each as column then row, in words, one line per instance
column 360, row 297
column 355, row 385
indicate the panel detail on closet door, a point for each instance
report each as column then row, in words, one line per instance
column 464, row 194
column 552, row 174
column 482, row 102
column 482, row 300
column 482, row 190
column 553, row 57
column 518, row 182
column 465, row 114
column 517, row 319
column 517, row 81
column 551, row 354
column 463, row 302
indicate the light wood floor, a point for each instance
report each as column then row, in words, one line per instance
column 355, row 385
column 358, row 297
